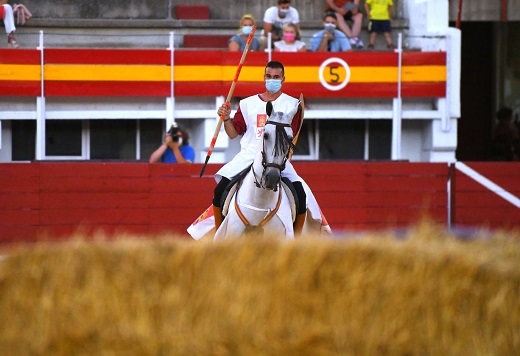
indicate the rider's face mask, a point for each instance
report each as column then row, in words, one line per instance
column 283, row 12
column 273, row 85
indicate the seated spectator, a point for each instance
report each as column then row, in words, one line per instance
column 274, row 19
column 7, row 15
column 238, row 41
column 330, row 39
column 175, row 148
column 289, row 43
column 348, row 10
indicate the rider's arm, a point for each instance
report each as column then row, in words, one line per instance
column 234, row 127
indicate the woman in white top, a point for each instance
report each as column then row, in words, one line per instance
column 289, row 43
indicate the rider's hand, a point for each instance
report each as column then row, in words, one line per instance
column 224, row 111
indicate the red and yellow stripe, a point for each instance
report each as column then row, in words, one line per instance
column 131, row 72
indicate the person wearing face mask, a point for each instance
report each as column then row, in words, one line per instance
column 289, row 43
column 330, row 39
column 175, row 148
column 274, row 19
column 238, row 41
column 248, row 122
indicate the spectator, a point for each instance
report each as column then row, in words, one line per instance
column 506, row 138
column 348, row 10
column 7, row 15
column 289, row 43
column 330, row 39
column 175, row 148
column 274, row 19
column 238, row 41
column 379, row 13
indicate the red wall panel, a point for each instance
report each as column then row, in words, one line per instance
column 477, row 205
column 56, row 200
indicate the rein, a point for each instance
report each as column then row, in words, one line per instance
column 283, row 143
column 267, row 218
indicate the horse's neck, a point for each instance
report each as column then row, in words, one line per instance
column 253, row 195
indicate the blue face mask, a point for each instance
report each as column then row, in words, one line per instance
column 273, row 85
column 246, row 30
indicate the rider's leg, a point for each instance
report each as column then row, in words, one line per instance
column 302, row 208
column 217, row 196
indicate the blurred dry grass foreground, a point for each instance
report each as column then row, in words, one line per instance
column 427, row 293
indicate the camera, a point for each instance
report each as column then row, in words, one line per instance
column 174, row 132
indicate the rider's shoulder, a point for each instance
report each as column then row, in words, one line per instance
column 287, row 98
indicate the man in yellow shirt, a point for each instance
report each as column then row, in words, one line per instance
column 379, row 13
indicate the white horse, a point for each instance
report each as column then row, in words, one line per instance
column 260, row 203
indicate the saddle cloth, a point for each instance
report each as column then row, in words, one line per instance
column 315, row 221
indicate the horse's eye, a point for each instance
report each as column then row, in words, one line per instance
column 266, row 136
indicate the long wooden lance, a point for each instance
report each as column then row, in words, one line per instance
column 230, row 94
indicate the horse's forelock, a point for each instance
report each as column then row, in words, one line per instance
column 277, row 116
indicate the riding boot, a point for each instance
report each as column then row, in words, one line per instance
column 298, row 224
column 217, row 211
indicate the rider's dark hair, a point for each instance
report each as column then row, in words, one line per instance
column 275, row 65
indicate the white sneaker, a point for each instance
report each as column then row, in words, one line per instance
column 11, row 41
column 353, row 42
column 359, row 43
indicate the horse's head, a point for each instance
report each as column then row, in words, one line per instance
column 277, row 141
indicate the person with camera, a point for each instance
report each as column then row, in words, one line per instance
column 175, row 148
column 330, row 39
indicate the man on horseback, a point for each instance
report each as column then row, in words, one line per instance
column 249, row 121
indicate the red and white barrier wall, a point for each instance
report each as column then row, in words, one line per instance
column 39, row 200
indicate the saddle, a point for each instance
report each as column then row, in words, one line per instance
column 231, row 190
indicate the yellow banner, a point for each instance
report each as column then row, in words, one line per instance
column 201, row 73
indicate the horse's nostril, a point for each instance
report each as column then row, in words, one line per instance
column 271, row 178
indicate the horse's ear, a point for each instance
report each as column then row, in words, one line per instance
column 269, row 108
